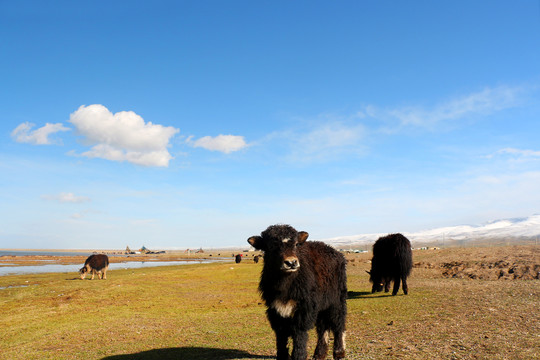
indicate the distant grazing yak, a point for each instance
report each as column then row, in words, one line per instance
column 304, row 284
column 392, row 261
column 238, row 258
column 98, row 263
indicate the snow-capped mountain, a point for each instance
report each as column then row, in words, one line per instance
column 506, row 228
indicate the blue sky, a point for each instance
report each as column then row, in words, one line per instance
column 179, row 124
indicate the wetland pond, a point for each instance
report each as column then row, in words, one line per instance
column 7, row 268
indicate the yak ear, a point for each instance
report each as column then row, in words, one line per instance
column 302, row 237
column 256, row 242
column 369, row 272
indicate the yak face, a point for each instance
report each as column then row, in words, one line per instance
column 280, row 244
column 83, row 271
column 377, row 286
column 377, row 280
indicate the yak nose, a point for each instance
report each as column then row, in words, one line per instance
column 291, row 264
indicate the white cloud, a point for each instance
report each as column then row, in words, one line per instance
column 123, row 136
column 331, row 135
column 519, row 153
column 83, row 214
column 66, row 197
column 222, row 143
column 40, row 136
column 485, row 102
column 323, row 141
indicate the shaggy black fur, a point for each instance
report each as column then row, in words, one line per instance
column 304, row 284
column 392, row 261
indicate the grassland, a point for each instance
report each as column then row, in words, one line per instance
column 213, row 311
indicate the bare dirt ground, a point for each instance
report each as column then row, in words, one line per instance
column 483, row 263
column 490, row 263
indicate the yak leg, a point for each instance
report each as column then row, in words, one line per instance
column 339, row 344
column 397, row 280
column 93, row 273
column 338, row 328
column 387, row 285
column 300, row 338
column 322, row 341
column 282, row 330
column 105, row 274
column 405, row 287
column 281, row 344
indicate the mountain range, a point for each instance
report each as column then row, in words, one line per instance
column 527, row 227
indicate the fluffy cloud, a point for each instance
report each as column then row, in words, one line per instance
column 66, row 198
column 24, row 134
column 123, row 136
column 223, row 143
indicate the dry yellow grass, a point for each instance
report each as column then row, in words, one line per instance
column 213, row 311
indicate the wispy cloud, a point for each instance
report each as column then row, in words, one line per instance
column 123, row 136
column 332, row 135
column 517, row 154
column 66, row 197
column 484, row 102
column 41, row 136
column 83, row 214
column 222, row 143
column 320, row 142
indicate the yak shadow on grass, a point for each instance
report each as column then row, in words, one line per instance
column 357, row 294
column 191, row 353
column 351, row 295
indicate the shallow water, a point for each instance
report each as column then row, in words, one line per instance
column 74, row 268
column 12, row 286
column 49, row 253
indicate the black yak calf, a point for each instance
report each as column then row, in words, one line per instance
column 98, row 263
column 304, row 284
column 392, row 261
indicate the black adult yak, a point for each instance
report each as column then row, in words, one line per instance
column 304, row 284
column 392, row 261
column 238, row 258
